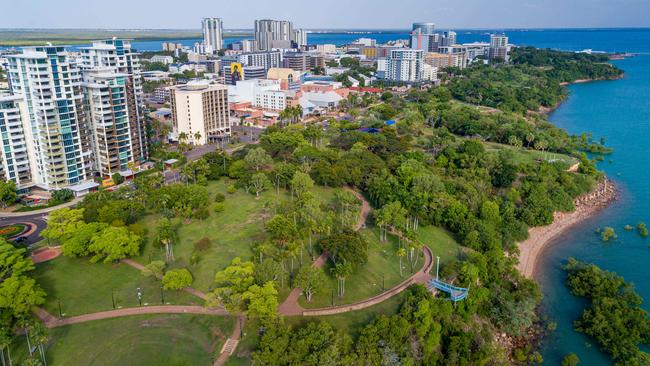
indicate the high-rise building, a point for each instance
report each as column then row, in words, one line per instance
column 17, row 150
column 200, row 110
column 424, row 27
column 498, row 47
column 112, row 85
column 404, row 65
column 424, row 37
column 50, row 86
column 299, row 37
column 212, row 34
column 271, row 34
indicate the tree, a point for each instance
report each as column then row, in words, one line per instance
column 77, row 241
column 177, row 279
column 167, row 236
column 61, row 196
column 311, row 281
column 230, row 284
column 61, row 223
column 346, row 247
column 154, row 269
column 571, row 360
column 113, row 244
column 259, row 182
column 7, row 193
column 401, row 253
column 18, row 292
column 269, row 270
column 197, row 171
column 257, row 158
column 197, row 137
column 341, row 271
column 301, row 183
column 261, row 301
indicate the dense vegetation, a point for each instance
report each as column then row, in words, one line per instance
column 615, row 318
column 531, row 81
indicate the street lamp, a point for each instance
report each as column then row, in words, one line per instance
column 162, row 295
column 140, row 296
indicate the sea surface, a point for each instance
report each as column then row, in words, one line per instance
column 618, row 111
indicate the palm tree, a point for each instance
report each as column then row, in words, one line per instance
column 197, row 136
column 529, row 139
column 5, row 342
column 401, row 253
column 182, row 137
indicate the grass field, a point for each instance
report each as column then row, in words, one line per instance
column 83, row 287
column 136, row 340
column 232, row 232
column 382, row 270
column 522, row 155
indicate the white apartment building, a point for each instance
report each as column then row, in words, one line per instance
column 262, row 93
column 50, row 86
column 499, row 47
column 162, row 59
column 404, row 65
column 272, row 100
column 114, row 97
column 201, row 111
column 429, row 73
column 16, row 141
column 212, row 34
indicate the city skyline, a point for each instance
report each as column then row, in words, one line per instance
column 467, row 14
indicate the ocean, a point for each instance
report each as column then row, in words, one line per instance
column 617, row 110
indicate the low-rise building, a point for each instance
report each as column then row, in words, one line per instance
column 162, row 59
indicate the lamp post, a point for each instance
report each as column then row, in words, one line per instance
column 113, row 298
column 60, row 312
column 162, row 295
column 437, row 266
column 140, row 296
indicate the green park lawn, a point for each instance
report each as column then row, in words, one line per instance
column 381, row 272
column 177, row 339
column 232, row 232
column 523, row 155
column 83, row 287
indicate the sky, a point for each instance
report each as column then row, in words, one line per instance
column 326, row 14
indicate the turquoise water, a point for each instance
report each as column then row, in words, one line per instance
column 620, row 112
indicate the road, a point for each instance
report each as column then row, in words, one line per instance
column 37, row 219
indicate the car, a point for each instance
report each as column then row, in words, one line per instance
column 21, row 240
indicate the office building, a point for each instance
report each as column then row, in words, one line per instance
column 212, row 34
column 477, row 49
column 498, row 47
column 17, row 152
column 271, row 34
column 289, row 78
column 162, row 59
column 404, row 65
column 200, row 110
column 112, row 84
column 424, row 27
column 50, row 86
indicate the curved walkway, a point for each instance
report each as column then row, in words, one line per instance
column 43, row 210
column 51, row 321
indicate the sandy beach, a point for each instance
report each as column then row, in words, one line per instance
column 540, row 237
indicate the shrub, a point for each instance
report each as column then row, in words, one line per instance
column 202, row 213
column 177, row 279
column 219, row 207
column 203, row 244
column 232, row 189
column 219, row 197
column 154, row 269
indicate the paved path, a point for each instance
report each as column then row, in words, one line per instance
column 231, row 343
column 51, row 321
column 42, row 211
column 189, row 290
column 46, row 254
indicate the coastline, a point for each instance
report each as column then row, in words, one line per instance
column 541, row 237
column 545, row 111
